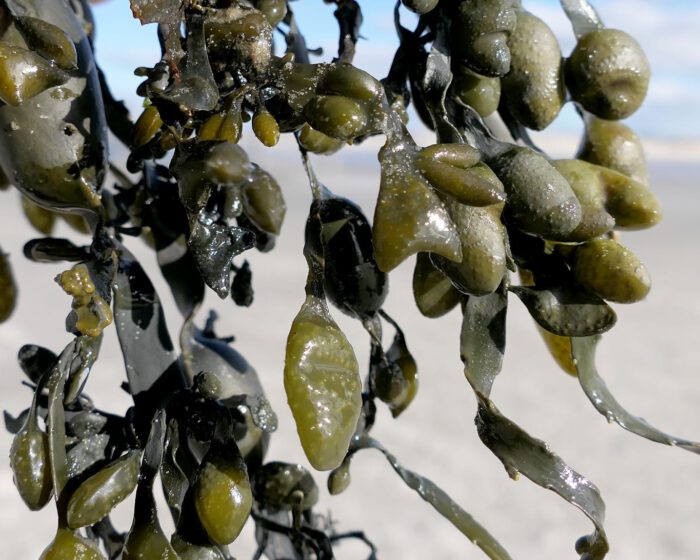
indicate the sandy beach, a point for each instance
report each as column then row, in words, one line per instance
column 649, row 360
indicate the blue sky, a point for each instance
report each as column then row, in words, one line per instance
column 668, row 31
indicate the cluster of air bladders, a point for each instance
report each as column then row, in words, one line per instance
column 473, row 207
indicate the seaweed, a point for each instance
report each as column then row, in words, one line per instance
column 475, row 206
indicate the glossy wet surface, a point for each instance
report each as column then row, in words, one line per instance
column 649, row 362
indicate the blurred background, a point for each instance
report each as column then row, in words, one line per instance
column 649, row 359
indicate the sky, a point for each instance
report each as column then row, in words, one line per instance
column 669, row 32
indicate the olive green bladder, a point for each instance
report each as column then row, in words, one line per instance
column 227, row 164
column 222, row 495
column 100, row 493
column 323, row 385
column 225, row 126
column 480, row 33
column 317, row 142
column 420, row 6
column 540, row 201
column 265, row 128
column 608, row 200
column 614, row 145
column 433, row 292
column 461, row 156
column 534, row 86
column 348, row 81
column 481, row 93
column 588, row 188
column 274, row 10
column 263, row 201
column 482, row 236
column 67, row 545
column 610, row 270
column 25, row 74
column 48, row 40
column 339, row 478
column 189, row 551
column 337, row 116
column 633, row 205
column 399, row 355
column 608, row 73
column 475, row 186
column 146, row 541
column 30, row 461
column 147, row 126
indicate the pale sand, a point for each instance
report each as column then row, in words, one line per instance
column 649, row 359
